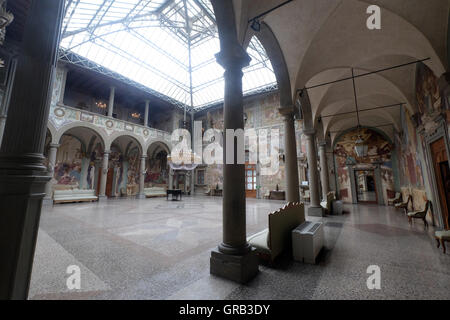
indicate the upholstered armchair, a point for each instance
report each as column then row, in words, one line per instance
column 395, row 200
column 442, row 237
column 421, row 214
column 404, row 205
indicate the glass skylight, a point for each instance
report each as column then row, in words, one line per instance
column 148, row 41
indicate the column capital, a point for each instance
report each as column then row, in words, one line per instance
column 106, row 152
column 287, row 112
column 233, row 58
column 322, row 144
column 144, row 157
column 55, row 145
column 309, row 132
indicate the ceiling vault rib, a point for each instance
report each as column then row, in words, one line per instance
column 363, row 110
column 364, row 74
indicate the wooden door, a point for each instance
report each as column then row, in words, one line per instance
column 99, row 179
column 250, row 181
column 109, row 182
column 442, row 174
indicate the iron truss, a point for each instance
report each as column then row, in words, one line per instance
column 75, row 59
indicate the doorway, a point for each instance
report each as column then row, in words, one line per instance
column 250, row 181
column 442, row 174
column 366, row 188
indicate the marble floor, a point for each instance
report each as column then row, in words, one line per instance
column 158, row 249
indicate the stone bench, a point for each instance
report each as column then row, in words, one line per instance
column 74, row 195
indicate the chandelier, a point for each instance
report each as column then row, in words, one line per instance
column 184, row 161
column 101, row 105
column 361, row 147
column 136, row 115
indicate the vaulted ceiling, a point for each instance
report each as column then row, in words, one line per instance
column 322, row 40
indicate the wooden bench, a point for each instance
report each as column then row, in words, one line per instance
column 271, row 242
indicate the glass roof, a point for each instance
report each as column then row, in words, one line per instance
column 149, row 41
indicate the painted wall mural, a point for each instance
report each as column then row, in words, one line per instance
column 379, row 153
column 69, row 162
column 157, row 173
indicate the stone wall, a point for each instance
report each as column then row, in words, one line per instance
column 261, row 112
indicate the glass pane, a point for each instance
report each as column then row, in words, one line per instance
column 249, row 186
column 152, row 49
column 254, row 179
column 249, row 179
column 249, row 173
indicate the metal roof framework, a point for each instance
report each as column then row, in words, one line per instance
column 164, row 47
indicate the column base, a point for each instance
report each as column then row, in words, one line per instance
column 140, row 196
column 102, row 198
column 316, row 212
column 237, row 268
column 47, row 202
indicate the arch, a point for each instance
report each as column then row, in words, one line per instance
column 53, row 132
column 164, row 145
column 333, row 37
column 344, row 132
column 276, row 57
column 61, row 131
column 381, row 82
column 116, row 135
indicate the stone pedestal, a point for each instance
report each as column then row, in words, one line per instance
column 237, row 268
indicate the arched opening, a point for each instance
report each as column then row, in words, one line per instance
column 123, row 167
column 367, row 178
column 157, row 169
column 78, row 160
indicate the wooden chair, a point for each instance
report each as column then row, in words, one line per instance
column 404, row 205
column 421, row 214
column 442, row 237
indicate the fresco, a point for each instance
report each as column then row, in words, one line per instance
column 427, row 91
column 157, row 170
column 69, row 162
column 410, row 166
column 379, row 152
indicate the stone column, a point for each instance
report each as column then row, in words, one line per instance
column 111, row 101
column 324, row 169
column 291, row 164
column 147, row 108
column 22, row 174
column 51, row 171
column 105, row 167
column 234, row 259
column 315, row 209
column 63, row 86
column 171, row 174
column 2, row 126
column 141, row 194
